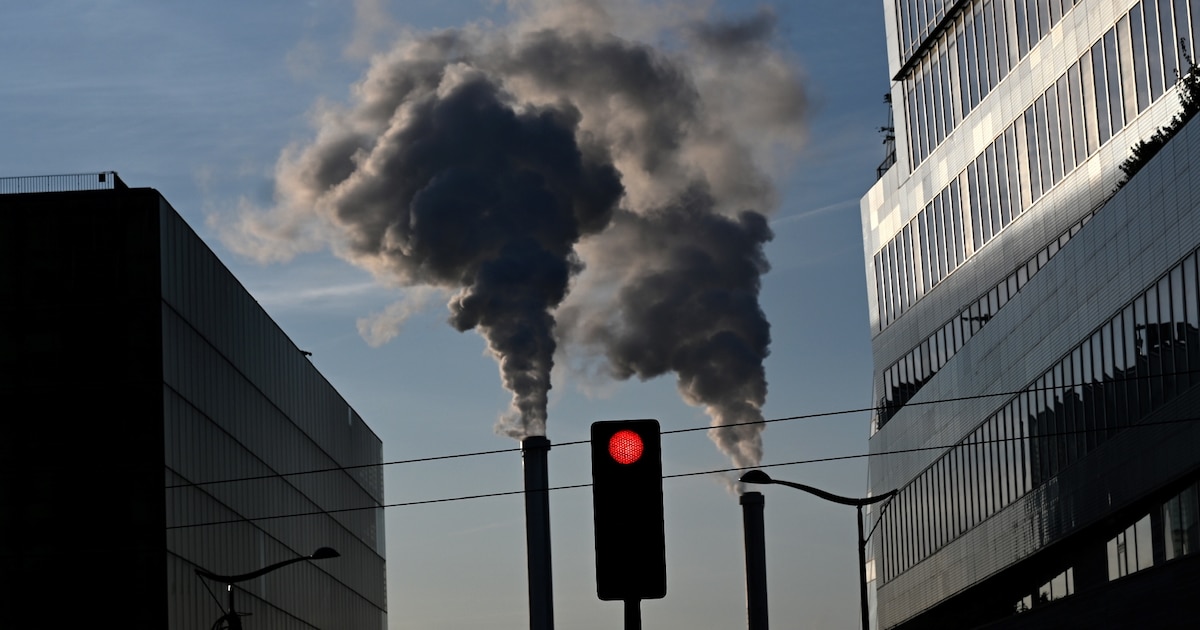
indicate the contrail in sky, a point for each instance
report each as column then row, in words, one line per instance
column 574, row 190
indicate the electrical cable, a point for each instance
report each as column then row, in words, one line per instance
column 809, row 416
column 718, row 471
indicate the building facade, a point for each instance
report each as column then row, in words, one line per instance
column 164, row 419
column 1036, row 335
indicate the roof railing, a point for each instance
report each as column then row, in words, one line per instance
column 105, row 180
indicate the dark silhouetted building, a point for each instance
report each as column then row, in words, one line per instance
column 141, row 381
column 1036, row 337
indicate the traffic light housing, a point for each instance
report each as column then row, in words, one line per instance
column 627, row 502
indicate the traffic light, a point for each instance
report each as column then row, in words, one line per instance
column 627, row 501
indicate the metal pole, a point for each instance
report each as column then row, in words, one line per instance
column 862, row 572
column 633, row 614
column 534, row 450
column 756, row 560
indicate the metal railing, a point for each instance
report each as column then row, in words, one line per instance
column 106, row 180
column 887, row 163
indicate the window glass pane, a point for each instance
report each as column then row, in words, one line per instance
column 1153, row 48
column 1019, row 160
column 1145, row 555
column 1168, row 42
column 987, row 47
column 1065, row 132
column 972, row 58
column 1195, row 17
column 924, row 241
column 1045, row 151
column 964, row 94
column 1100, row 84
column 1128, row 83
column 1078, row 138
column 990, row 210
column 1114, row 559
column 1014, row 172
column 1021, row 28
column 1033, row 157
column 939, row 107
column 1003, row 212
column 1165, row 337
column 1112, row 61
column 1182, row 32
column 1173, row 537
column 1179, row 346
column 973, row 200
column 1142, row 326
column 931, row 109
column 1192, row 327
column 1141, row 73
column 921, row 133
column 956, row 214
column 1003, row 60
column 908, row 270
column 1098, row 406
column 1189, row 518
column 1113, row 411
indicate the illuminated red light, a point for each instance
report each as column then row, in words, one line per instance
column 626, row 447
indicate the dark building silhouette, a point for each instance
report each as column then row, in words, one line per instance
column 1036, row 336
column 136, row 372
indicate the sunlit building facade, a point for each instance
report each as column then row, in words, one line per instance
column 1036, row 335
column 156, row 418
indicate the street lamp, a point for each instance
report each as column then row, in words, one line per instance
column 758, row 476
column 232, row 616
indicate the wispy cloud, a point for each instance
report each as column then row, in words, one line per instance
column 285, row 297
column 812, row 214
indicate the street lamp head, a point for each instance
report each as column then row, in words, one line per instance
column 323, row 553
column 756, row 476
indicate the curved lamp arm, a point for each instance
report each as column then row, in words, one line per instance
column 319, row 554
column 758, row 476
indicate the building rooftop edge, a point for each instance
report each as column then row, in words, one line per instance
column 73, row 182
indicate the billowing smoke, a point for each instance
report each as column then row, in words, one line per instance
column 573, row 189
column 685, row 300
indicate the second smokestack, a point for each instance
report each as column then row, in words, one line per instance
column 756, row 559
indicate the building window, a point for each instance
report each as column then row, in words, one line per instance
column 1131, row 550
column 1058, row 587
column 1180, row 533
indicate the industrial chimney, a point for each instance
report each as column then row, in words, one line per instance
column 756, row 559
column 534, row 451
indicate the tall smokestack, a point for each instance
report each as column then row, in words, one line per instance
column 537, row 532
column 756, row 560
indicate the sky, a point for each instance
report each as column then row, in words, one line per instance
column 225, row 107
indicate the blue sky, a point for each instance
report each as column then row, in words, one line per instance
column 198, row 100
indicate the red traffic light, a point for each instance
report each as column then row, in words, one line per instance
column 627, row 507
column 626, row 446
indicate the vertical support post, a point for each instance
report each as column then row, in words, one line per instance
column 756, row 560
column 534, row 450
column 862, row 572
column 633, row 614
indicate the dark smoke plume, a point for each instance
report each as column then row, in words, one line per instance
column 571, row 189
column 690, row 308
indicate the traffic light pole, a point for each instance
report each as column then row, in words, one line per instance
column 633, row 614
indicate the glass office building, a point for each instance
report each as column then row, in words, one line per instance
column 155, row 417
column 1036, row 327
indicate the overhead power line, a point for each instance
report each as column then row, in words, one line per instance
column 809, row 416
column 717, row 471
